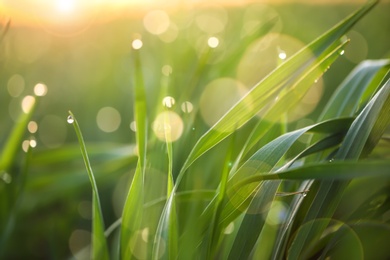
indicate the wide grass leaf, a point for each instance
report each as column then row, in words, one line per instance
column 269, row 88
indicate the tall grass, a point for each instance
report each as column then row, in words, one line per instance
column 246, row 187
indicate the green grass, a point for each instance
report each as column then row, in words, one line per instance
column 248, row 187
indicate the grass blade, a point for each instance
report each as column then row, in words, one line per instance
column 133, row 208
column 99, row 242
column 269, row 87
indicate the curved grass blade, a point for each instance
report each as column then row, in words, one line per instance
column 133, row 208
column 267, row 89
column 358, row 85
column 265, row 159
column 339, row 170
column 363, row 135
column 99, row 242
column 354, row 91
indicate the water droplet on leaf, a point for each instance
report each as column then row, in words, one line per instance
column 70, row 119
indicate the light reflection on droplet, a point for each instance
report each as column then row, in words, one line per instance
column 229, row 229
column 342, row 52
column 108, row 119
column 168, row 101
column 282, row 55
column 166, row 70
column 27, row 103
column 15, row 85
column 137, row 44
column 168, row 126
column 156, row 22
column 40, row 89
column 70, row 119
column 32, row 127
column 187, row 107
column 6, row 177
column 213, row 42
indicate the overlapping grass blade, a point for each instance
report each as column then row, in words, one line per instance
column 339, row 170
column 364, row 133
column 269, row 87
column 352, row 93
column 264, row 160
column 133, row 208
column 99, row 242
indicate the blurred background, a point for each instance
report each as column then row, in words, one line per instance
column 78, row 56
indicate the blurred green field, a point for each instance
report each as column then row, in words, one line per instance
column 92, row 70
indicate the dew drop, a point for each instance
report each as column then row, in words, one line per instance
column 331, row 160
column 70, row 119
column 304, row 194
column 282, row 55
column 342, row 52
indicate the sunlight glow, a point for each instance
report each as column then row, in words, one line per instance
column 65, row 6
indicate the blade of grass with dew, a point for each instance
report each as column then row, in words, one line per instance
column 253, row 224
column 230, row 212
column 364, row 133
column 363, row 80
column 99, row 242
column 265, row 159
column 287, row 100
column 133, row 208
column 303, row 81
column 266, row 89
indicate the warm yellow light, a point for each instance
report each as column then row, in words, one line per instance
column 65, row 6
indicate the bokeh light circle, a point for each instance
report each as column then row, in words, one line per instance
column 108, row 119
column 168, row 126
column 218, row 97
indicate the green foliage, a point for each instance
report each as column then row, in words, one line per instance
column 245, row 188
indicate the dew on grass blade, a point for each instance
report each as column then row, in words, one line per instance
column 133, row 126
column 70, row 119
column 341, row 52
